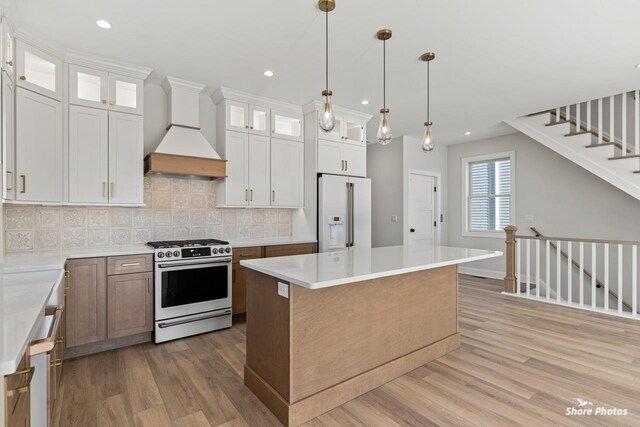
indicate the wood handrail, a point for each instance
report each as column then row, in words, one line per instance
column 586, row 272
column 566, row 239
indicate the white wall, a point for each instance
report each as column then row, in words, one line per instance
column 564, row 199
column 388, row 167
column 156, row 118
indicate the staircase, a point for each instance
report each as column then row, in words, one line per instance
column 602, row 136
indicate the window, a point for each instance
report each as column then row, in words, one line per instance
column 489, row 194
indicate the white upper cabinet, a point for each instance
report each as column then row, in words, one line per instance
column 88, row 155
column 38, row 71
column 8, row 49
column 88, row 87
column 355, row 160
column 235, row 187
column 330, row 158
column 8, row 138
column 126, row 94
column 287, row 173
column 259, row 123
column 237, row 116
column 347, row 129
column 126, row 152
column 39, row 164
column 334, row 134
column 100, row 89
column 259, row 170
column 287, row 125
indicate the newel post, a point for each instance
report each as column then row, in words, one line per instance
column 510, row 278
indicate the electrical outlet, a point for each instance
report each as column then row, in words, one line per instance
column 283, row 290
column 394, row 218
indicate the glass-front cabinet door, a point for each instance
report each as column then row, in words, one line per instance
column 237, row 116
column 259, row 120
column 125, row 94
column 286, row 125
column 8, row 59
column 38, row 71
column 353, row 130
column 335, row 134
column 88, row 87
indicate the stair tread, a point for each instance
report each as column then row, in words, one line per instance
column 539, row 113
column 633, row 156
column 560, row 122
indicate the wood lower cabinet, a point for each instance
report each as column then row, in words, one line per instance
column 17, row 396
column 86, row 304
column 129, row 304
column 239, row 282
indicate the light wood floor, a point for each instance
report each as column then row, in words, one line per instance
column 521, row 363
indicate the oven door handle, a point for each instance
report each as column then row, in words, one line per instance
column 194, row 319
column 186, row 263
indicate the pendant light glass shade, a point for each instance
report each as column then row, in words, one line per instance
column 427, row 142
column 327, row 119
column 384, row 130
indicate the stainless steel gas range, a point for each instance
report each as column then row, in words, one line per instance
column 192, row 283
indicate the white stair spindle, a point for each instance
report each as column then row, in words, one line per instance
column 558, row 271
column 537, row 265
column 548, row 269
column 569, row 271
column 528, row 266
column 620, row 278
column 623, row 115
column 606, row 277
column 567, row 113
column 589, row 116
column 612, row 111
column 636, row 116
column 518, row 261
column 594, row 263
column 557, row 114
column 581, row 274
column 578, row 123
column 600, row 124
column 634, row 279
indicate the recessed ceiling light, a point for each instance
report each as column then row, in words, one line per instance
column 637, row 65
column 103, row 24
column 364, row 102
column 467, row 133
column 268, row 73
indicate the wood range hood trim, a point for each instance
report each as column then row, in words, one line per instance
column 175, row 164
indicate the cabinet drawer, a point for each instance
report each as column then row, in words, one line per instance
column 129, row 264
column 286, row 250
column 247, row 253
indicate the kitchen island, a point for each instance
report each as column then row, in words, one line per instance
column 325, row 328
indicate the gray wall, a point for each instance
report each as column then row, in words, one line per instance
column 564, row 199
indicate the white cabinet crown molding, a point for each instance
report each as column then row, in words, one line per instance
column 47, row 46
column 223, row 93
column 175, row 83
column 104, row 64
column 319, row 106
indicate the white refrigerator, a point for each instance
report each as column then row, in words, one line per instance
column 344, row 212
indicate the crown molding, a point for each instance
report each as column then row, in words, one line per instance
column 94, row 61
column 236, row 95
column 29, row 38
column 184, row 85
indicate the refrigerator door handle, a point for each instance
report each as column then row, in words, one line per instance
column 351, row 214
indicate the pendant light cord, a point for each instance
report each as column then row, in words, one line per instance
column 384, row 74
column 428, row 92
column 326, row 50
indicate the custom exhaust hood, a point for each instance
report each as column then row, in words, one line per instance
column 184, row 150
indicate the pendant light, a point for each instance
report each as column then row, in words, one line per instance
column 327, row 119
column 427, row 143
column 384, row 130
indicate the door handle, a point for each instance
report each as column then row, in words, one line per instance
column 24, row 183
column 273, row 195
column 104, row 189
column 412, row 230
column 346, row 165
column 9, row 180
column 113, row 189
column 251, row 195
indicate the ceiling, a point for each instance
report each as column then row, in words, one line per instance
column 496, row 59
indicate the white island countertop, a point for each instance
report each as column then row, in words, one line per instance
column 322, row 270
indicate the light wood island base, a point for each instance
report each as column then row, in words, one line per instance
column 320, row 348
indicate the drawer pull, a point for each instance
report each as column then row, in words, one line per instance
column 130, row 264
column 47, row 344
column 24, row 371
column 17, row 391
column 25, row 388
column 56, row 362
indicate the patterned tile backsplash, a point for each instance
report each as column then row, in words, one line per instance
column 177, row 208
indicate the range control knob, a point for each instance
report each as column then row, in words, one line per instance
column 214, row 251
column 176, row 254
column 160, row 254
column 228, row 250
column 169, row 254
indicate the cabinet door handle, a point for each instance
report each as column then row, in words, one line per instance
column 273, row 195
column 148, row 285
column 251, row 195
column 346, row 165
column 56, row 362
column 24, row 183
column 10, row 63
column 23, row 78
column 112, row 102
column 66, row 282
column 9, row 180
column 104, row 189
column 246, row 194
column 104, row 101
column 113, row 189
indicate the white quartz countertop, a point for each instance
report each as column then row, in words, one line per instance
column 321, row 270
column 275, row 241
column 52, row 260
column 23, row 298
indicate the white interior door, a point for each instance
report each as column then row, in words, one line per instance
column 421, row 208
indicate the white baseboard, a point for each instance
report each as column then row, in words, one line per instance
column 481, row 272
